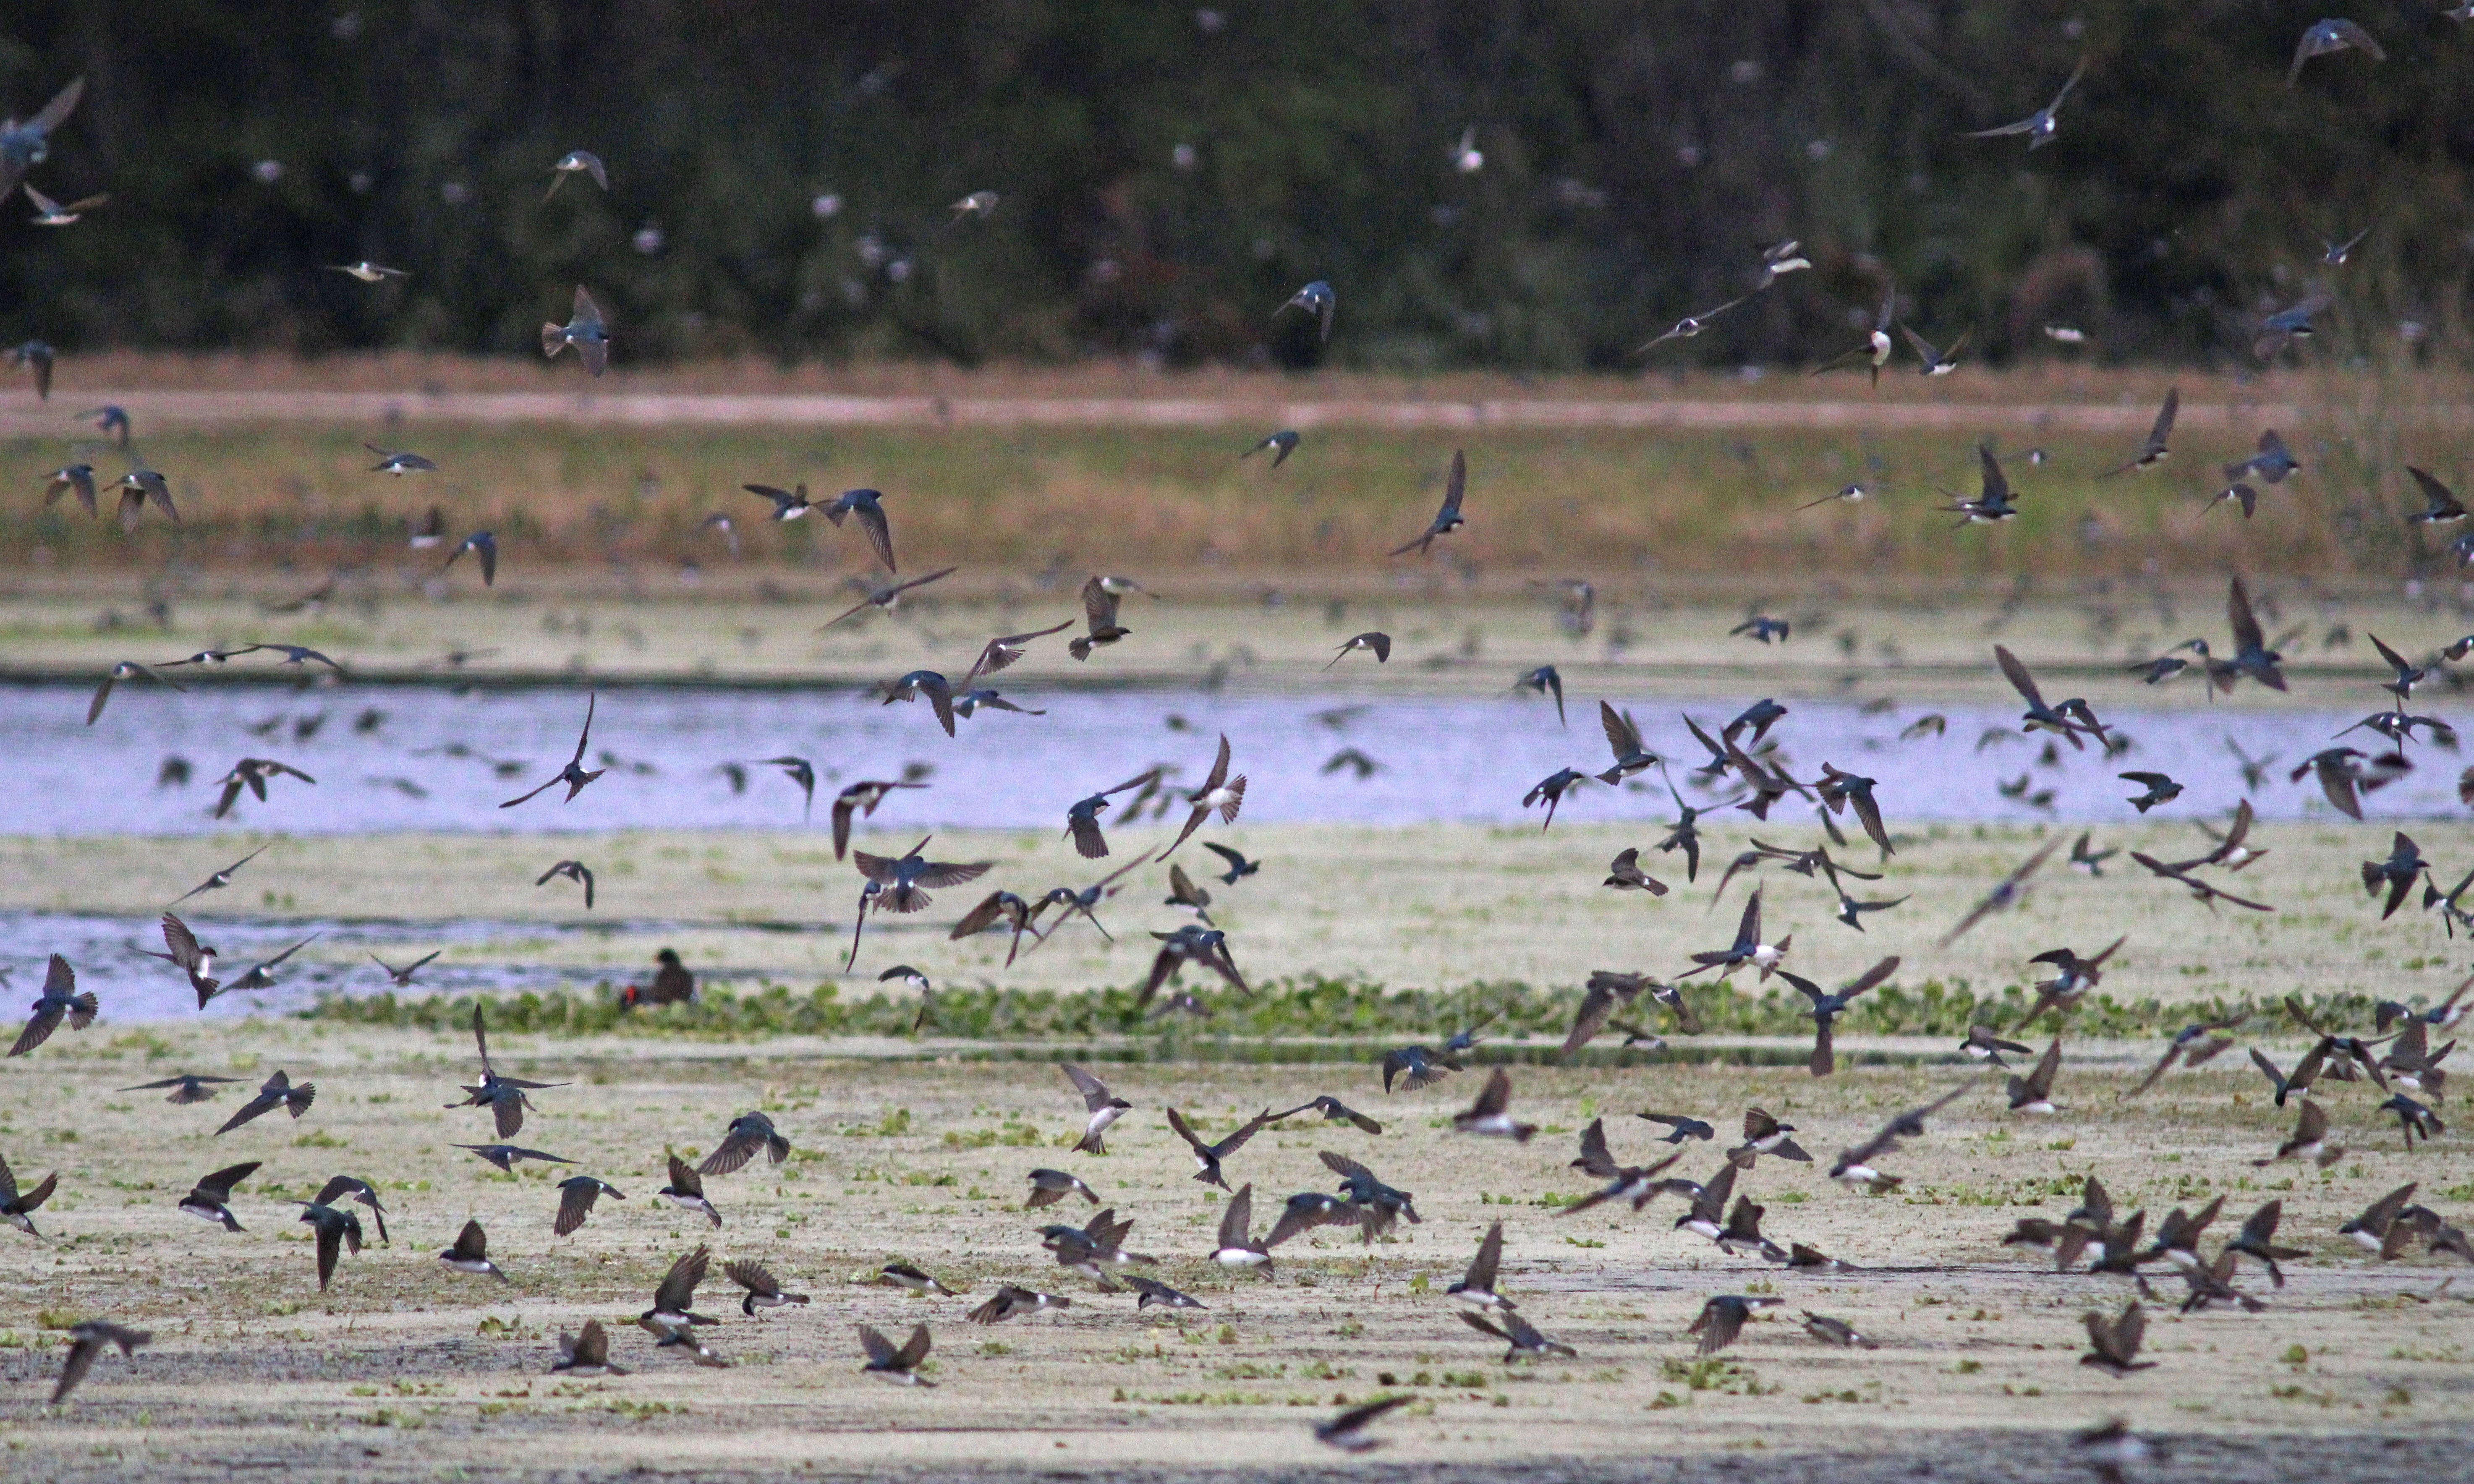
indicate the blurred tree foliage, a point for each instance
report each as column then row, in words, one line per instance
column 781, row 175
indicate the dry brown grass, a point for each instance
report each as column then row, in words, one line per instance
column 1713, row 505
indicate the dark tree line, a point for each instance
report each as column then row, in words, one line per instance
column 781, row 175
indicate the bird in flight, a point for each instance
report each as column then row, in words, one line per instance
column 2154, row 450
column 577, row 162
column 1316, row 299
column 886, row 598
column 1448, row 519
column 2327, row 37
column 2039, row 127
column 575, row 774
column 584, row 330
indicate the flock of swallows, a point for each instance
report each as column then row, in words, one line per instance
column 1096, row 1250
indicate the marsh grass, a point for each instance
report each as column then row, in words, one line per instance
column 1346, row 1014
column 1599, row 501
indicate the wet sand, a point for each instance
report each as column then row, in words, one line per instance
column 406, row 1368
column 1439, row 906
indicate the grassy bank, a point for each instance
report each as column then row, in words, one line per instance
column 1614, row 505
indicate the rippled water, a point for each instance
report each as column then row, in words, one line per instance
column 1437, row 758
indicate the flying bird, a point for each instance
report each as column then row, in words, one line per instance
column 61, row 1000
column 398, row 462
column 578, row 1196
column 2114, row 1344
column 276, row 1091
column 1518, row 1333
column 1934, row 363
column 72, row 478
column 124, row 670
column 1207, row 1157
column 573, row 870
column 575, row 774
column 1100, row 603
column 1856, row 1166
column 1379, row 643
column 2154, row 450
column 764, row 1291
column 2039, row 127
column 1105, row 1107
column 749, row 1135
column 470, row 1253
column 17, row 1207
column 221, row 879
column 1691, row 326
column 2322, row 38
column 368, row 272
column 1544, row 680
column 1993, row 499
column 336, row 1229
column 1877, row 346
column 1219, row 792
column 1722, row 1319
column 1491, row 1113
column 2190, row 1046
column 2440, row 505
column 868, row 506
column 2004, row 895
column 90, row 1338
column 1827, row 1008
column 24, row 146
column 210, row 1198
column 38, row 357
column 1448, row 519
column 1316, row 300
column 1282, row 444
column 584, row 330
column 1347, row 1431
column 484, row 547
column 188, row 1087
column 577, row 162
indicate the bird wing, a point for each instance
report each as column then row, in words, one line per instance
column 1177, row 1121
column 1597, row 1005
column 881, row 869
column 574, row 1204
column 1479, row 1323
column 219, row 1185
column 1622, row 735
column 2442, row 500
column 2039, row 1081
column 2158, row 435
column 2238, row 613
column 2020, row 680
column 1095, row 1092
column 679, row 1285
column 1347, row 1168
column 1003, row 650
column 752, row 1277
column 1237, row 1217
column 1454, row 488
column 2023, row 125
column 56, row 111
column 1099, row 605
column 880, row 534
column 81, row 1360
column 733, row 1151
